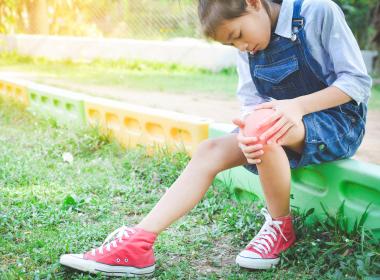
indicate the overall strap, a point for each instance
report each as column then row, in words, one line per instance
column 298, row 21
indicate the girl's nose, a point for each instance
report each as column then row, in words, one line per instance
column 241, row 46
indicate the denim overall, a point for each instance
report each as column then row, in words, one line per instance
column 286, row 70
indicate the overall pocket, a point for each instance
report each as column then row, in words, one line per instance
column 277, row 71
column 275, row 79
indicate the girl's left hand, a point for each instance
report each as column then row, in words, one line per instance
column 288, row 113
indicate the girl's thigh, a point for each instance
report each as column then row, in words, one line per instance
column 295, row 138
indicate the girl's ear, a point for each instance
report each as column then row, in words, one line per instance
column 256, row 4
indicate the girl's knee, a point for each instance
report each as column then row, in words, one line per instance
column 212, row 154
column 207, row 148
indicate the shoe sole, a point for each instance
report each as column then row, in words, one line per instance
column 77, row 262
column 253, row 263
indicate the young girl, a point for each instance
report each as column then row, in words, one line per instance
column 298, row 58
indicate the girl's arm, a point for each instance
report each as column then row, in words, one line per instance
column 346, row 60
column 352, row 80
column 323, row 99
column 289, row 112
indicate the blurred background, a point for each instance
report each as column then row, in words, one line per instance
column 138, row 19
column 158, row 20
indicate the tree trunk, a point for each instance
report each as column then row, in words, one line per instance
column 38, row 17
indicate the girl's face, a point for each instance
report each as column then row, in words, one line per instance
column 250, row 32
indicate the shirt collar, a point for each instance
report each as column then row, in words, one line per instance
column 284, row 22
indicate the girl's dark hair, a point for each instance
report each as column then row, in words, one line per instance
column 213, row 12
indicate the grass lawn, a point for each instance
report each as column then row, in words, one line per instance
column 137, row 75
column 49, row 207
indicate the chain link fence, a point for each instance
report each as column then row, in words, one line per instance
column 137, row 19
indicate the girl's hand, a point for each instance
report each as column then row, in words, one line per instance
column 288, row 113
column 251, row 150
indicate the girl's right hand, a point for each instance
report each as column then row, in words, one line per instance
column 248, row 145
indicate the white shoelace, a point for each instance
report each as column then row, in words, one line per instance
column 263, row 241
column 118, row 234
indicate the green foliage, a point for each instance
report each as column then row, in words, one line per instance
column 339, row 222
column 359, row 15
column 10, row 14
column 334, row 249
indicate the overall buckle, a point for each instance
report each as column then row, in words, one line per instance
column 298, row 22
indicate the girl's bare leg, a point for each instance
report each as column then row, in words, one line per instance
column 211, row 157
column 274, row 171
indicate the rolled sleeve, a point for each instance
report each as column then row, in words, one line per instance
column 339, row 42
column 247, row 92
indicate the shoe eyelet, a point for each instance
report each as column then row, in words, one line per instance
column 118, row 260
column 126, row 260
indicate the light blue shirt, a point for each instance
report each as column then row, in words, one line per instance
column 330, row 42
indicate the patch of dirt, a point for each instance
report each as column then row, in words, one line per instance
column 220, row 109
column 369, row 150
column 223, row 254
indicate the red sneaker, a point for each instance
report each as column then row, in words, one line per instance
column 125, row 252
column 263, row 251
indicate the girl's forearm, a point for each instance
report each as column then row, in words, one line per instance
column 323, row 99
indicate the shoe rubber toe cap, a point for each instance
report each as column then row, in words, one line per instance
column 249, row 254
